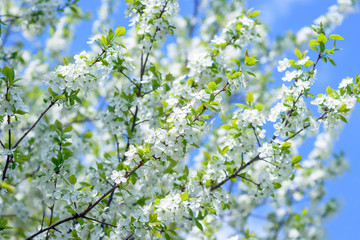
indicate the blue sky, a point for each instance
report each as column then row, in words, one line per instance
column 281, row 16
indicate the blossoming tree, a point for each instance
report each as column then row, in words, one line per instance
column 128, row 141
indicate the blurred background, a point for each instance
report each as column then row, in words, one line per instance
column 291, row 15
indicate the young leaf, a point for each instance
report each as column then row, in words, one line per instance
column 249, row 98
column 212, row 86
column 296, row 159
column 72, row 179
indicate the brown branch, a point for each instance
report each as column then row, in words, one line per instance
column 102, row 223
column 34, row 125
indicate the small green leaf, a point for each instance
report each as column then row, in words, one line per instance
column 212, row 86
column 186, row 170
column 296, row 159
column 204, row 116
column 250, row 98
column 313, row 42
column 156, row 233
column 259, row 107
column 66, row 62
column 328, row 90
column 198, row 224
column 276, row 185
column 184, row 196
column 322, row 38
column 286, row 145
column 314, row 48
column 254, row 13
column 62, row 96
column 250, row 61
column 153, row 217
column 308, row 63
column 298, row 166
column 342, row 118
column 332, row 61
column 335, row 37
column 298, row 53
column 226, row 126
column 241, row 105
column 51, row 92
column 68, row 129
column 249, row 73
column 224, row 150
column 190, row 81
column 7, row 186
column 88, row 134
column 343, row 108
column 72, row 179
column 120, row 31
column 237, row 61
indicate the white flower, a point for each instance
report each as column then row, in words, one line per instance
column 303, row 60
column 118, row 176
column 283, row 65
column 291, row 75
column 345, row 82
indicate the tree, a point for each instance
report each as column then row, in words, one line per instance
column 102, row 144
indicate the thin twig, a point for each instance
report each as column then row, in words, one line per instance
column 95, row 220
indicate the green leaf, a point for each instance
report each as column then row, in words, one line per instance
column 313, row 42
column 241, row 105
column 328, row 90
column 66, row 62
column 314, row 48
column 342, row 118
column 153, row 217
column 62, row 96
column 259, row 107
column 120, row 31
column 321, row 38
column 286, row 145
column 249, row 73
column 212, row 86
column 190, row 81
column 224, row 150
column 20, row 112
column 226, row 126
column 322, row 47
column 335, row 37
column 276, row 185
column 68, row 129
column 254, row 13
column 9, row 73
column 332, row 61
column 298, row 53
column 308, row 63
column 58, row 125
column 250, row 61
column 88, row 134
column 198, row 224
column 298, row 166
column 204, row 116
column 184, row 196
column 23, row 157
column 249, row 98
column 156, row 233
column 296, row 159
column 7, row 186
column 72, row 179
column 343, row 108
column 186, row 170
column 237, row 61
